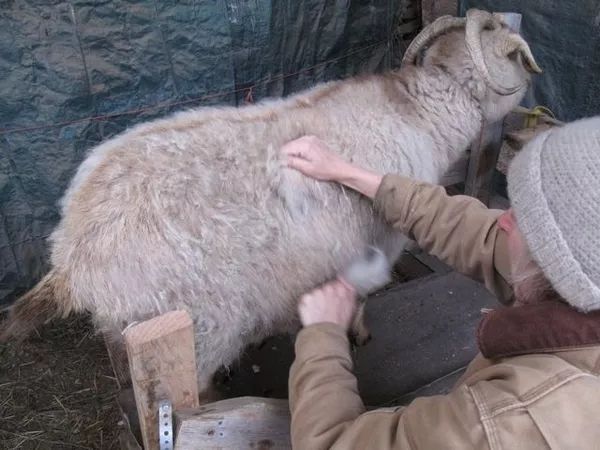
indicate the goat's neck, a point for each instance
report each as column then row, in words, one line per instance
column 443, row 107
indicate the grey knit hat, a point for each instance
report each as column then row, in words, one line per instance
column 554, row 188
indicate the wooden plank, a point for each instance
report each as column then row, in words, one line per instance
column 117, row 354
column 243, row 422
column 130, row 428
column 457, row 172
column 484, row 155
column 163, row 366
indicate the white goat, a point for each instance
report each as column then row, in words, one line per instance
column 196, row 211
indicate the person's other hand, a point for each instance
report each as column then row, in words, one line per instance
column 334, row 302
column 315, row 159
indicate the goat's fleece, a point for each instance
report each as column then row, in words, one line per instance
column 368, row 272
column 197, row 212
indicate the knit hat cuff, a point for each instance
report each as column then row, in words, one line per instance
column 542, row 234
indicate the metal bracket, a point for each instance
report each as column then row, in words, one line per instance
column 165, row 425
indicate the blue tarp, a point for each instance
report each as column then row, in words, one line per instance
column 75, row 73
column 565, row 39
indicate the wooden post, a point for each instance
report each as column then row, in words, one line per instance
column 482, row 162
column 485, row 149
column 117, row 353
column 244, row 422
column 162, row 363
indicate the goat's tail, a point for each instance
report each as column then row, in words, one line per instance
column 49, row 299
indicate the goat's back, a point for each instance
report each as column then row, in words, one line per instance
column 196, row 211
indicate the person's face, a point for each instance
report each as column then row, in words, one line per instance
column 516, row 244
column 528, row 282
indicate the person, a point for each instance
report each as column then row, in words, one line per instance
column 535, row 383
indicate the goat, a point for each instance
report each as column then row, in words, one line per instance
column 197, row 211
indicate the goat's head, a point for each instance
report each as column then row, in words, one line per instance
column 481, row 52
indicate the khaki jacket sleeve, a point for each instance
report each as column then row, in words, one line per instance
column 327, row 412
column 459, row 230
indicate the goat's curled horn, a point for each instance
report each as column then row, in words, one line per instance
column 429, row 33
column 477, row 21
column 474, row 24
column 513, row 43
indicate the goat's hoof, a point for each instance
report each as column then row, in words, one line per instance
column 361, row 340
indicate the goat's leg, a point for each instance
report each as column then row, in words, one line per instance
column 393, row 244
column 207, row 392
column 217, row 346
column 359, row 333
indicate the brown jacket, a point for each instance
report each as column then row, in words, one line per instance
column 536, row 384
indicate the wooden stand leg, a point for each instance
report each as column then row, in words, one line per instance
column 162, row 363
column 484, row 155
column 117, row 353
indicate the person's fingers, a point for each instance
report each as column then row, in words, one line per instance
column 344, row 282
column 301, row 146
column 301, row 303
column 328, row 291
column 348, row 299
column 347, row 288
column 333, row 289
column 293, row 149
column 339, row 290
column 305, row 299
column 296, row 146
column 298, row 163
column 309, row 141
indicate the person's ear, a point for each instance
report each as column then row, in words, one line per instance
column 507, row 221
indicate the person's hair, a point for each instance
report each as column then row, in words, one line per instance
column 529, row 283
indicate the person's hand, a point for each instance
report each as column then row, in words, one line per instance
column 315, row 159
column 334, row 302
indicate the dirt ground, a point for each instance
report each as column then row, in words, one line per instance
column 57, row 390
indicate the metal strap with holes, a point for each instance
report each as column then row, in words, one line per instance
column 165, row 425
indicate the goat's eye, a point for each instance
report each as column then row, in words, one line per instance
column 514, row 56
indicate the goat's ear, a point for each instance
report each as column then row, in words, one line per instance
column 515, row 45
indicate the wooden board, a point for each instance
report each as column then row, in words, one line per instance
column 484, row 155
column 162, row 363
column 239, row 423
column 117, row 353
column 457, row 172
